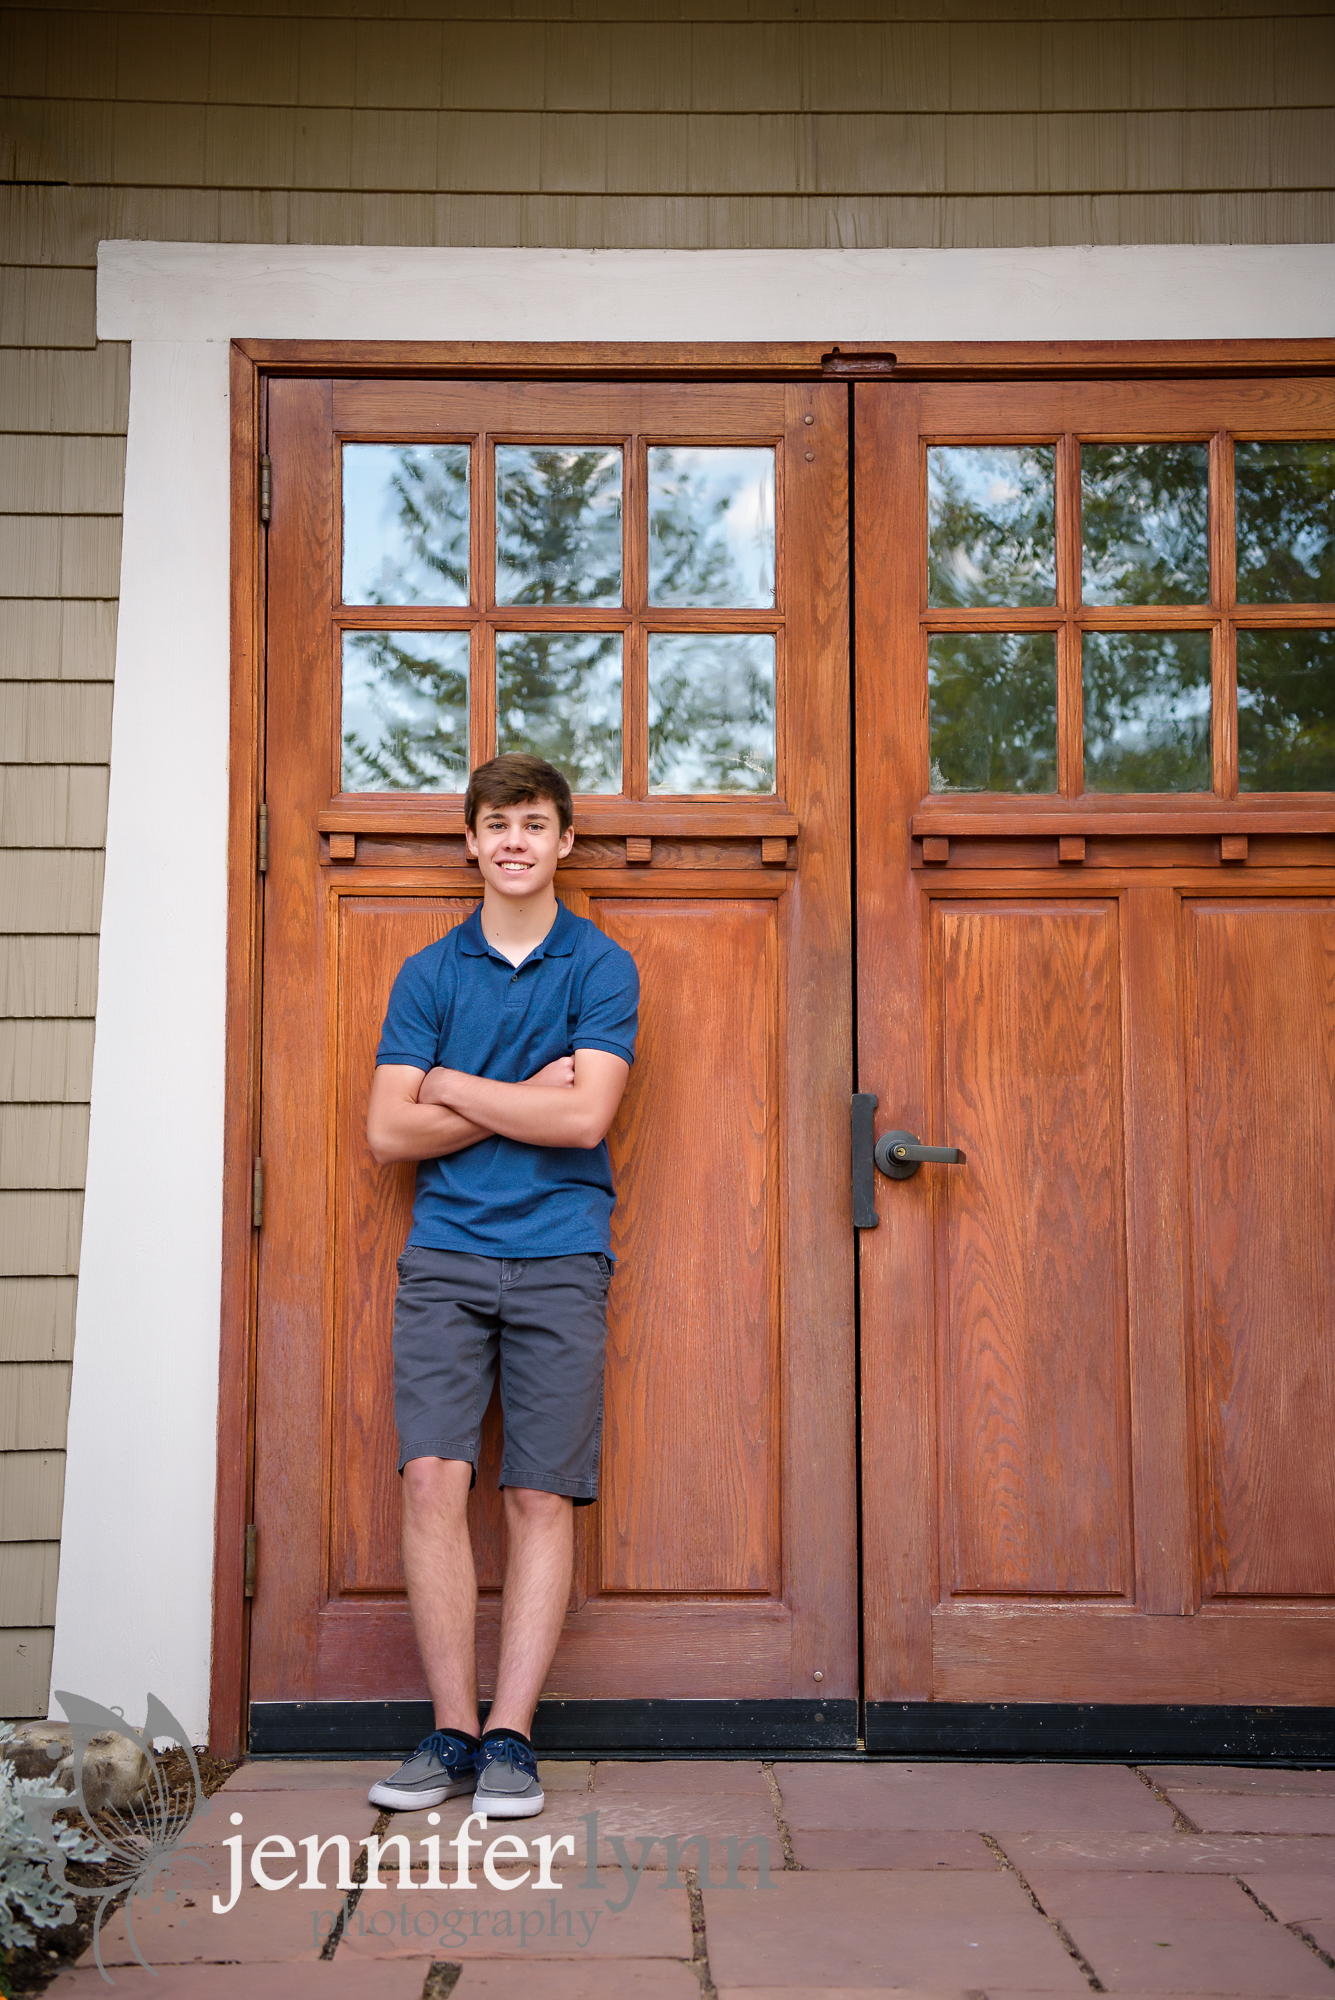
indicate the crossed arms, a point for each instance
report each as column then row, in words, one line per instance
column 419, row 1114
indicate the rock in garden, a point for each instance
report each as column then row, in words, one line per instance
column 115, row 1769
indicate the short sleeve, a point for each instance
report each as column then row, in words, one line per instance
column 609, row 1006
column 411, row 1033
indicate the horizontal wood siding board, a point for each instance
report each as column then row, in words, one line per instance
column 36, row 1319
column 39, row 1233
column 53, row 805
column 34, row 1402
column 47, row 389
column 28, row 1582
column 42, row 306
column 54, row 555
column 48, row 976
column 54, row 639
column 43, row 1145
column 32, row 1485
column 25, row 1670
column 56, row 722
column 61, row 475
column 43, row 1062
column 47, row 891
column 59, row 224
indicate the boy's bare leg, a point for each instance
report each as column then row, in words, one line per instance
column 541, row 1529
column 442, row 1584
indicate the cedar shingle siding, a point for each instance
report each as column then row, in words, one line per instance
column 342, row 121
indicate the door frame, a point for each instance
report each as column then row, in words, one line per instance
column 252, row 363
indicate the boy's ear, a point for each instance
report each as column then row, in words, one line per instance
column 566, row 842
column 470, row 839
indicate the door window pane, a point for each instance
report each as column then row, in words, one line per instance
column 558, row 524
column 1144, row 511
column 993, row 711
column 405, row 711
column 711, row 526
column 711, row 712
column 1286, row 711
column 558, row 695
column 1147, row 711
column 1285, row 504
column 405, row 524
column 990, row 535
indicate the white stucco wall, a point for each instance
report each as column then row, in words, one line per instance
column 134, row 1606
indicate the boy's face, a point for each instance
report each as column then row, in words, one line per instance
column 517, row 847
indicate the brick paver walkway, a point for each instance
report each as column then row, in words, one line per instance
column 996, row 1880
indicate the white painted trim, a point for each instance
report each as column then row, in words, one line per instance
column 137, row 1556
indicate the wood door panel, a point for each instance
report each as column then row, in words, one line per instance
column 1034, row 1364
column 689, row 1492
column 1095, row 1654
column 376, row 933
column 1261, row 1039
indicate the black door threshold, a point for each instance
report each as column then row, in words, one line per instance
column 1124, row 1733
column 568, row 1728
column 1098, row 1732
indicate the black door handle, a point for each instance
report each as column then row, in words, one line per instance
column 899, row 1156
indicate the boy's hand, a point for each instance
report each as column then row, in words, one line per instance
column 558, row 1075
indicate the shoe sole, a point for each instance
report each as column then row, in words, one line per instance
column 498, row 1806
column 391, row 1799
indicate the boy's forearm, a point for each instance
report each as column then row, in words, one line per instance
column 411, row 1132
column 525, row 1111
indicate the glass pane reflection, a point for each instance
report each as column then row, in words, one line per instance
column 1147, row 711
column 993, row 711
column 1286, row 711
column 711, row 525
column 711, row 712
column 1285, row 502
column 990, row 535
column 1144, row 511
column 405, row 711
column 405, row 524
column 558, row 524
column 558, row 695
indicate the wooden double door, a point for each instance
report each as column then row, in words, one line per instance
column 1086, row 1397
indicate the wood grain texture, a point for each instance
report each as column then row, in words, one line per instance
column 34, row 1404
column 1261, row 1032
column 1084, row 1654
column 689, row 1499
column 36, row 1319
column 1030, row 1242
column 373, row 1214
column 57, row 639
column 32, row 1487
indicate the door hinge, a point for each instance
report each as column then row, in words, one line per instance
column 248, row 1574
column 257, row 1195
column 262, row 842
column 266, row 487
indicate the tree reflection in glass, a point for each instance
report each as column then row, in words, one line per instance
column 558, row 696
column 1285, row 508
column 558, row 524
column 405, row 711
column 1286, row 711
column 711, row 712
column 1145, row 528
column 990, row 532
column 1147, row 711
column 992, row 703
column 405, row 524
column 711, row 525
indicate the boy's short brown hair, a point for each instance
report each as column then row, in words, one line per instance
column 517, row 780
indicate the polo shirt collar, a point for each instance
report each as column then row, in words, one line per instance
column 558, row 943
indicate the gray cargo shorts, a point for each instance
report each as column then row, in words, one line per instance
column 543, row 1321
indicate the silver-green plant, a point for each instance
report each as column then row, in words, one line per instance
column 28, row 1895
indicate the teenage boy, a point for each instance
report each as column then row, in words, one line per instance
column 505, row 1052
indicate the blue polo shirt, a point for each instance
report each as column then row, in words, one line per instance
column 461, row 1005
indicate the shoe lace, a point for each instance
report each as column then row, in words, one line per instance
column 505, row 1750
column 446, row 1749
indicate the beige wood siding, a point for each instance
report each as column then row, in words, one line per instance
column 699, row 124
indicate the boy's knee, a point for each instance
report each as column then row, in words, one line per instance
column 436, row 1482
column 529, row 1505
